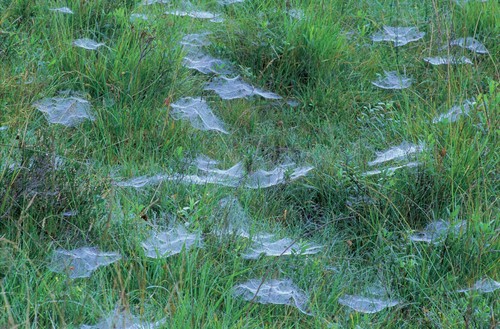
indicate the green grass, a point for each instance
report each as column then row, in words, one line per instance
column 326, row 62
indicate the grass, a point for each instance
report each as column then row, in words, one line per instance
column 325, row 61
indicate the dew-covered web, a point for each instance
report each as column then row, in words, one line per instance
column 374, row 299
column 393, row 80
column 207, row 64
column 391, row 170
column 402, row 151
column 197, row 59
column 230, row 177
column 447, row 60
column 210, row 174
column 64, row 10
column 232, row 88
column 196, row 110
column 264, row 179
column 229, row 2
column 456, row 111
column 202, row 162
column 280, row 292
column 268, row 245
column 88, row 44
column 297, row 14
column 470, row 44
column 463, row 2
column 399, row 35
column 81, row 262
column 70, row 213
column 232, row 218
column 366, row 304
column 170, row 242
column 69, row 111
column 137, row 17
column 142, row 181
column 121, row 318
column 152, row 2
column 196, row 40
column 57, row 162
column 236, row 175
column 484, row 285
column 213, row 17
column 437, row 231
